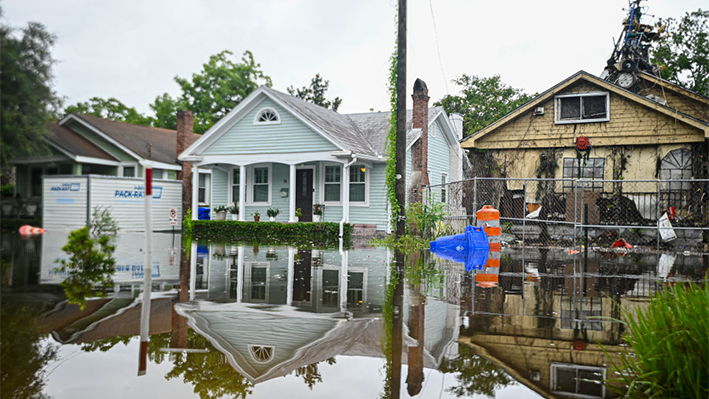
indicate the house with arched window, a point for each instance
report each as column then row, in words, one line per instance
column 275, row 151
column 588, row 128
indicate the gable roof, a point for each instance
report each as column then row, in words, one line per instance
column 674, row 87
column 362, row 133
column 146, row 142
column 470, row 140
column 74, row 144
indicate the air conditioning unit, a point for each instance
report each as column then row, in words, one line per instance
column 539, row 111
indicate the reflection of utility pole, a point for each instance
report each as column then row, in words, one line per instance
column 414, row 379
column 147, row 270
column 397, row 329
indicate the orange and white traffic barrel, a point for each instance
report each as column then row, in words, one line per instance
column 489, row 220
column 29, row 230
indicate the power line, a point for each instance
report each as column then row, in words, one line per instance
column 438, row 47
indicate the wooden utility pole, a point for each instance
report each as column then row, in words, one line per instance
column 401, row 121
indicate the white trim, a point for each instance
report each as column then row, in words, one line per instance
column 553, row 376
column 292, row 193
column 260, row 112
column 250, row 175
column 122, row 166
column 95, row 161
column 30, row 160
column 557, row 108
column 444, row 186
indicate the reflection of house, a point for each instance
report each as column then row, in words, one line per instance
column 585, row 127
column 276, row 151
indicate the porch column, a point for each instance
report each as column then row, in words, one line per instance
column 240, row 274
column 195, row 191
column 343, row 280
column 346, row 194
column 291, row 195
column 242, row 193
column 291, row 275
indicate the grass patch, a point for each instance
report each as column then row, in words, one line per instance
column 670, row 342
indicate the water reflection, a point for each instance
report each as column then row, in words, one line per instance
column 232, row 319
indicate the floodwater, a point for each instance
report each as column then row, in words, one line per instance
column 234, row 320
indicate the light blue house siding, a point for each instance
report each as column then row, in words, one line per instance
column 438, row 158
column 376, row 212
column 220, row 184
column 289, row 136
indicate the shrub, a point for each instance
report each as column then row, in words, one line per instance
column 670, row 356
column 320, row 234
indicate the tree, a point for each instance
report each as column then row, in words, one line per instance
column 482, row 101
column 27, row 99
column 110, row 109
column 315, row 93
column 684, row 54
column 211, row 94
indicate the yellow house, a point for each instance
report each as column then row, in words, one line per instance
column 586, row 127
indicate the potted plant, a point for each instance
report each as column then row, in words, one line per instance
column 233, row 211
column 220, row 212
column 317, row 212
column 257, row 216
column 272, row 213
column 298, row 214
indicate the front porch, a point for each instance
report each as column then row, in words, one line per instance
column 340, row 188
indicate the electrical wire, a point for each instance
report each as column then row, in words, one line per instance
column 438, row 47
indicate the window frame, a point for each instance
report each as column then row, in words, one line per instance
column 557, row 108
column 263, row 110
column 366, row 185
column 251, row 189
column 131, row 165
column 595, row 186
column 207, row 187
column 558, row 365
column 444, row 187
column 234, row 172
column 323, row 183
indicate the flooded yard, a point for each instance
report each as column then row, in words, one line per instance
column 236, row 320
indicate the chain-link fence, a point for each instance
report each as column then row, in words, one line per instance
column 571, row 212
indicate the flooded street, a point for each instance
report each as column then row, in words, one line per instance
column 238, row 320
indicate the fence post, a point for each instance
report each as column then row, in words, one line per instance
column 524, row 219
column 475, row 201
column 576, row 220
column 657, row 219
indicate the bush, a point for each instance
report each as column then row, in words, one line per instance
column 670, row 356
column 321, row 234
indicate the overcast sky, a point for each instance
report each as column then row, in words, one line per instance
column 132, row 49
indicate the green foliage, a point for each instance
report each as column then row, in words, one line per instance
column 110, row 109
column 684, row 54
column 7, row 190
column 273, row 212
column 482, row 101
column 23, row 353
column 102, row 222
column 324, row 233
column 670, row 357
column 187, row 224
column 211, row 94
column 311, row 373
column 315, row 93
column 318, row 209
column 390, row 171
column 406, row 244
column 422, row 218
column 475, row 375
column 220, row 208
column 27, row 99
column 89, row 267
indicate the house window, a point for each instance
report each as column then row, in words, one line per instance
column 355, row 290
column 582, row 108
column 333, row 183
column 235, row 181
column 261, row 185
column 262, row 353
column 129, row 171
column 158, row 174
column 203, row 189
column 330, row 288
column 587, row 169
column 677, row 166
column 267, row 116
column 577, row 380
column 358, row 182
column 259, row 278
column 444, row 187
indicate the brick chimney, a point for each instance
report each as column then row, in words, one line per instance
column 185, row 124
column 419, row 151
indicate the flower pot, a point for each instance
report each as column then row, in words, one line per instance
column 272, row 218
column 220, row 215
column 257, row 218
column 297, row 218
column 234, row 216
column 316, row 218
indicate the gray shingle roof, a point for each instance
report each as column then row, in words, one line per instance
column 75, row 144
column 363, row 133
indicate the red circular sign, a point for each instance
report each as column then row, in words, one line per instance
column 582, row 143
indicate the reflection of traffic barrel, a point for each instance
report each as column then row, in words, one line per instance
column 30, row 230
column 489, row 220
